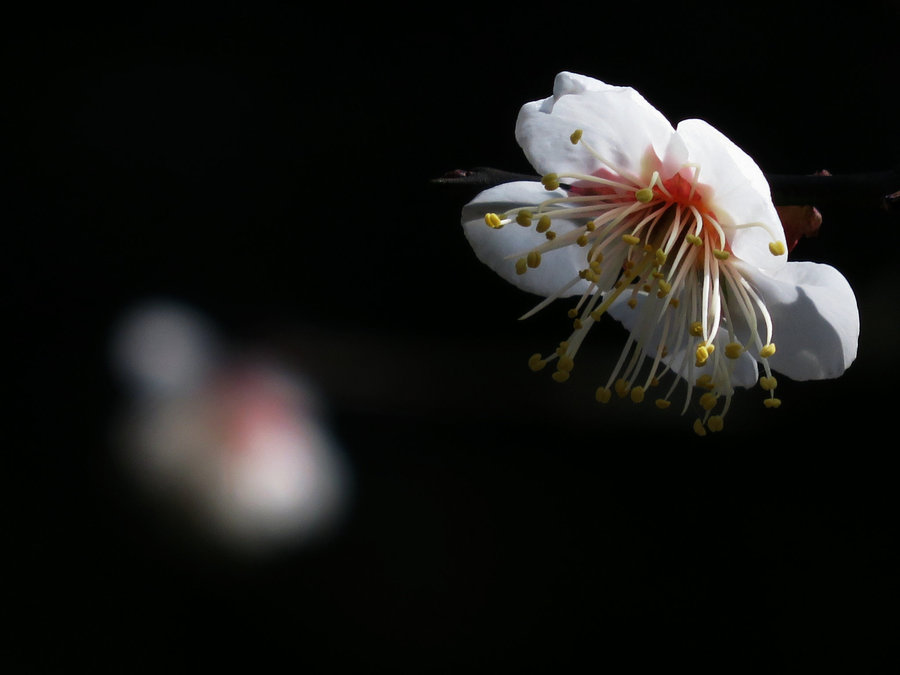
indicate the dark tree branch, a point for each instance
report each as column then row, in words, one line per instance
column 481, row 177
column 878, row 188
column 872, row 188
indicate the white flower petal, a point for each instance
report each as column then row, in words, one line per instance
column 574, row 83
column 498, row 249
column 815, row 319
column 617, row 122
column 676, row 156
column 741, row 193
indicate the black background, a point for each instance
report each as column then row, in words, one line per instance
column 269, row 165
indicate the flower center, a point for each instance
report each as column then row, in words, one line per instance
column 656, row 246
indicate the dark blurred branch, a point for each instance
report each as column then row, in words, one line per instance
column 866, row 189
column 481, row 177
column 879, row 188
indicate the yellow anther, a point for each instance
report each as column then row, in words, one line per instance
column 699, row 429
column 603, row 395
column 637, row 394
column 768, row 383
column 632, row 303
column 590, row 226
column 644, row 195
column 767, row 351
column 674, row 302
column 662, row 403
column 543, row 224
column 646, row 288
column 523, row 218
column 715, row 423
column 533, row 259
column 562, row 349
column 551, row 235
column 560, row 375
column 572, row 313
column 577, row 324
column 521, row 266
column 660, row 256
column 654, row 381
column 705, row 381
column 733, row 350
column 595, row 267
column 582, row 240
column 565, row 364
column 664, row 288
column 576, row 136
column 696, row 329
column 493, row 220
column 694, row 239
column 630, row 239
column 708, row 401
column 722, row 255
column 597, row 314
column 550, row 181
column 621, row 387
column 772, row 402
column 702, row 355
column 776, row 247
column 536, row 362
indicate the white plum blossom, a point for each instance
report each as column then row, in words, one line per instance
column 672, row 231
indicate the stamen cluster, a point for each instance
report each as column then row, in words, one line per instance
column 657, row 247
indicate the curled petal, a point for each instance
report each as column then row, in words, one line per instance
column 617, row 122
column 500, row 248
column 741, row 193
column 815, row 317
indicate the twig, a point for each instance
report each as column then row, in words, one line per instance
column 873, row 188
column 866, row 189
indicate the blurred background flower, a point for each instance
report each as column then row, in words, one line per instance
column 234, row 444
